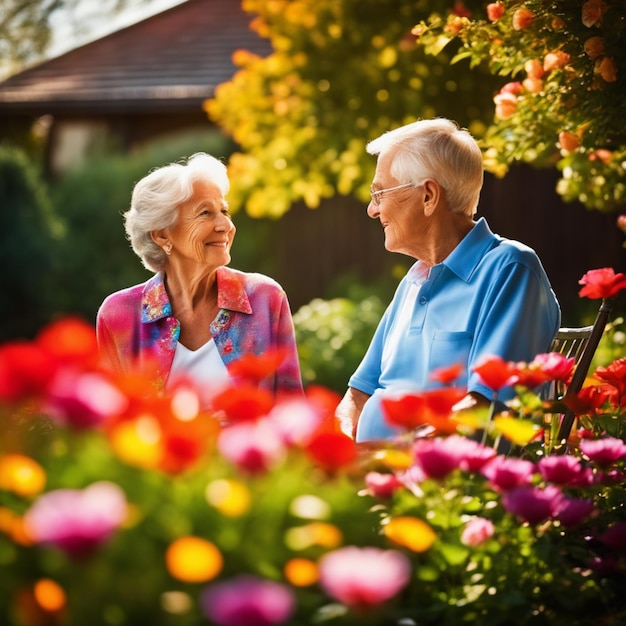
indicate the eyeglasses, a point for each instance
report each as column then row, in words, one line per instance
column 377, row 193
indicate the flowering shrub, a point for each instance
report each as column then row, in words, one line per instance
column 564, row 61
column 119, row 506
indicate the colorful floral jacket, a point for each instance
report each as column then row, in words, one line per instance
column 135, row 327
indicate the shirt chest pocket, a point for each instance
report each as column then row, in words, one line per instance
column 450, row 348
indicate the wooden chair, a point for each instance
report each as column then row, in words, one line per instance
column 580, row 343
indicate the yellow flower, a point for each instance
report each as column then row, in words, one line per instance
column 410, row 532
column 193, row 559
column 21, row 475
column 301, row 572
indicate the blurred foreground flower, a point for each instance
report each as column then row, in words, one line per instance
column 77, row 520
column 346, row 575
column 247, row 600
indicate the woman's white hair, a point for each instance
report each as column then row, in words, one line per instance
column 440, row 150
column 156, row 198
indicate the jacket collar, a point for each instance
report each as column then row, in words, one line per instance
column 231, row 295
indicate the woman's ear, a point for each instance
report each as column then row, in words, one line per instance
column 159, row 237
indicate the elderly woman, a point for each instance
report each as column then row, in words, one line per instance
column 195, row 318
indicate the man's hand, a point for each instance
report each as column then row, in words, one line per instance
column 349, row 410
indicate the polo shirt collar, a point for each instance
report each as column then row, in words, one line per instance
column 231, row 295
column 464, row 259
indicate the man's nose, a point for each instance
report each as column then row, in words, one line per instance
column 373, row 210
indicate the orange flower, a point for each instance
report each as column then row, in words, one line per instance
column 506, row 104
column 621, row 223
column 533, row 85
column 594, row 47
column 522, row 18
column 569, row 141
column 593, row 11
column 555, row 60
column 534, row 68
column 605, row 68
column 601, row 154
column 495, row 10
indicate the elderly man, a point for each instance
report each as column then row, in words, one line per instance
column 470, row 293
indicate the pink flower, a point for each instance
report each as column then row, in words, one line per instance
column 247, row 600
column 601, row 283
column 296, row 419
column 605, row 451
column 382, row 485
column 438, row 457
column 83, row 399
column 473, row 456
column 77, row 521
column 508, row 473
column 573, row 511
column 560, row 470
column 477, row 531
column 252, row 446
column 554, row 365
column 363, row 577
column 532, row 504
column 615, row 536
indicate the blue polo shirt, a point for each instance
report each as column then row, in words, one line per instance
column 490, row 296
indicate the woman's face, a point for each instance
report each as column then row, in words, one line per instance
column 203, row 232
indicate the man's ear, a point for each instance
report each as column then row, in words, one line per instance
column 432, row 196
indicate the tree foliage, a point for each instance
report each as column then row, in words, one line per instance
column 341, row 73
column 28, row 232
column 344, row 71
column 563, row 106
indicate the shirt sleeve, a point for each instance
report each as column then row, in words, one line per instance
column 366, row 378
column 288, row 376
column 519, row 319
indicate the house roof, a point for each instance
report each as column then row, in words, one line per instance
column 169, row 61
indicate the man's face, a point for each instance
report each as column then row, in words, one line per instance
column 400, row 210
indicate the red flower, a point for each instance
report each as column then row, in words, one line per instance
column 601, row 283
column 589, row 400
column 71, row 341
column 332, row 451
column 432, row 407
column 496, row 373
column 25, row 371
column 614, row 375
column 243, row 403
column 256, row 367
column 447, row 375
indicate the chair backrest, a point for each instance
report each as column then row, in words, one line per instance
column 583, row 357
column 570, row 342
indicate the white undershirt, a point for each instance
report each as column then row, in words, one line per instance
column 416, row 276
column 204, row 365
